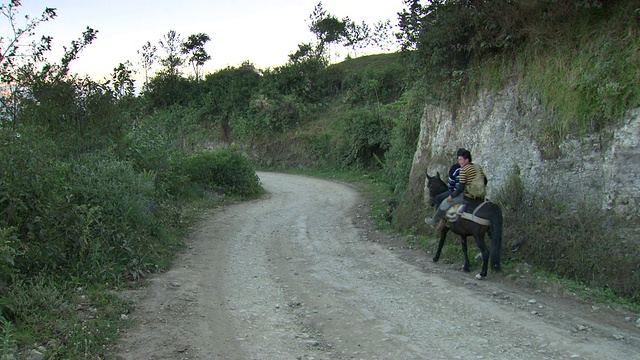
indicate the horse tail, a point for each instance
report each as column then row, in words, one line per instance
column 496, row 236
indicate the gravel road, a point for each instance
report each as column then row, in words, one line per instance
column 302, row 274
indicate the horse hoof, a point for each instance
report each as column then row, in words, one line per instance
column 465, row 269
column 435, row 259
column 479, row 277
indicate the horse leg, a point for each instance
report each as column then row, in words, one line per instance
column 443, row 236
column 463, row 242
column 485, row 255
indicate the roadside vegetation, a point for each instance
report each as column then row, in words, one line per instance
column 98, row 183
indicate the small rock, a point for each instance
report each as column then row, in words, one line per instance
column 583, row 328
column 618, row 337
column 35, row 355
column 533, row 301
column 628, row 319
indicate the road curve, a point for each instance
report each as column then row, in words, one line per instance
column 295, row 275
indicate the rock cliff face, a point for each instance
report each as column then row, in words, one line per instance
column 503, row 131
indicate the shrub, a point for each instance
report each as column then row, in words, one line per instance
column 94, row 220
column 10, row 247
column 268, row 115
column 79, row 114
column 403, row 139
column 89, row 216
column 366, row 138
column 375, row 83
column 225, row 169
column 584, row 244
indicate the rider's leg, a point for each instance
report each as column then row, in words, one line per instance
column 442, row 209
column 440, row 198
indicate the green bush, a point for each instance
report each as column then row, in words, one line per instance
column 365, row 138
column 403, row 139
column 94, row 220
column 109, row 218
column 26, row 187
column 268, row 115
column 79, row 114
column 10, row 248
column 375, row 83
column 90, row 216
column 582, row 243
column 226, row 170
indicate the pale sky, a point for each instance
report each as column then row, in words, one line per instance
column 263, row 32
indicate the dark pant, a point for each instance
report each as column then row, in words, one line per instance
column 440, row 198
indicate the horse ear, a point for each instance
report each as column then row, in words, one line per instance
column 429, row 177
column 438, row 174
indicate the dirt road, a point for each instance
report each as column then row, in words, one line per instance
column 301, row 274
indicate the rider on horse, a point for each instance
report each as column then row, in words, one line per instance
column 463, row 192
column 452, row 181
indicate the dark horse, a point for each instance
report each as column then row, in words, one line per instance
column 464, row 228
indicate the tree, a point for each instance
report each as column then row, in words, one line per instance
column 24, row 69
column 194, row 46
column 229, row 92
column 123, row 83
column 304, row 53
column 14, row 56
column 72, row 53
column 382, row 35
column 410, row 24
column 148, row 56
column 356, row 36
column 327, row 28
column 171, row 43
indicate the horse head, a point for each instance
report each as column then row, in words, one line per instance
column 436, row 186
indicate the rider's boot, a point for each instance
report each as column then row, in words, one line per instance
column 433, row 222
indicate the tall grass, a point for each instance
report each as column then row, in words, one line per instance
column 581, row 243
column 585, row 70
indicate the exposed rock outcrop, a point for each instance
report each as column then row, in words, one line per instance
column 503, row 130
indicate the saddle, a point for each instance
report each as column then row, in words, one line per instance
column 455, row 212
